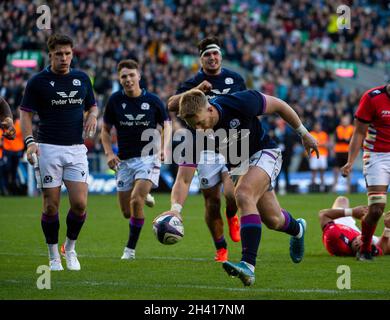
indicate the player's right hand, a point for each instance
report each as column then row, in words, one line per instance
column 204, row 86
column 310, row 144
column 32, row 149
column 346, row 170
column 113, row 161
column 359, row 212
column 172, row 212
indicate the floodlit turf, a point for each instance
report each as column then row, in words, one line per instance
column 182, row 271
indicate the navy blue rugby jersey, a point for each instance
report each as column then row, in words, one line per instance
column 226, row 82
column 131, row 116
column 237, row 111
column 60, row 101
column 240, row 111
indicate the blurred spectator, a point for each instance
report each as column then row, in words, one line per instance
column 286, row 139
column 321, row 164
column 342, row 138
column 276, row 43
column 12, row 152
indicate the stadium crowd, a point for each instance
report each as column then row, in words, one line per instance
column 275, row 45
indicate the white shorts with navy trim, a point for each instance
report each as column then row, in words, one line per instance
column 210, row 168
column 270, row 160
column 130, row 170
column 59, row 163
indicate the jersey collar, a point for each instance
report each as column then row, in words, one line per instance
column 143, row 93
column 201, row 71
column 48, row 69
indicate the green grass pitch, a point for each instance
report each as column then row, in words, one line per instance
column 182, row 271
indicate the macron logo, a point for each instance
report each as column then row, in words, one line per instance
column 64, row 95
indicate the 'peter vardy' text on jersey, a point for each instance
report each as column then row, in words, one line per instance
column 226, row 82
column 131, row 116
column 240, row 111
column 60, row 101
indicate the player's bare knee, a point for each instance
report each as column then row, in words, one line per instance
column 212, row 201
column 213, row 208
column 243, row 197
column 213, row 220
column 79, row 208
column 136, row 201
column 126, row 213
column 51, row 209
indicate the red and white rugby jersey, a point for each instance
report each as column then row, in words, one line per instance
column 374, row 108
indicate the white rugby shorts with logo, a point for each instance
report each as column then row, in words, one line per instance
column 270, row 160
column 210, row 168
column 130, row 170
column 59, row 163
column 376, row 168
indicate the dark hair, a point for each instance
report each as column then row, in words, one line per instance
column 129, row 64
column 58, row 39
column 202, row 45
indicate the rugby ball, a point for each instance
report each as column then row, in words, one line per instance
column 168, row 229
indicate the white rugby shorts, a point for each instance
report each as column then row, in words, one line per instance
column 59, row 163
column 270, row 160
column 210, row 168
column 376, row 168
column 130, row 170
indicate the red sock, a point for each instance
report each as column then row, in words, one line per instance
column 367, row 233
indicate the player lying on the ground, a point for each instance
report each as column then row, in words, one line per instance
column 341, row 236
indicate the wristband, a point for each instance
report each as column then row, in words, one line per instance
column 386, row 232
column 348, row 212
column 176, row 207
column 29, row 140
column 301, row 130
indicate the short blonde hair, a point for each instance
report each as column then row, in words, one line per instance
column 191, row 102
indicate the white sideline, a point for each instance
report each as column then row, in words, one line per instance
column 156, row 286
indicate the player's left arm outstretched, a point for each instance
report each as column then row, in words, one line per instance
column 180, row 190
column 327, row 215
column 275, row 105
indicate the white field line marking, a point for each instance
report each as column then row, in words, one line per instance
column 164, row 286
column 92, row 256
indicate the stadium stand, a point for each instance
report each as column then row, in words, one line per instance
column 285, row 48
